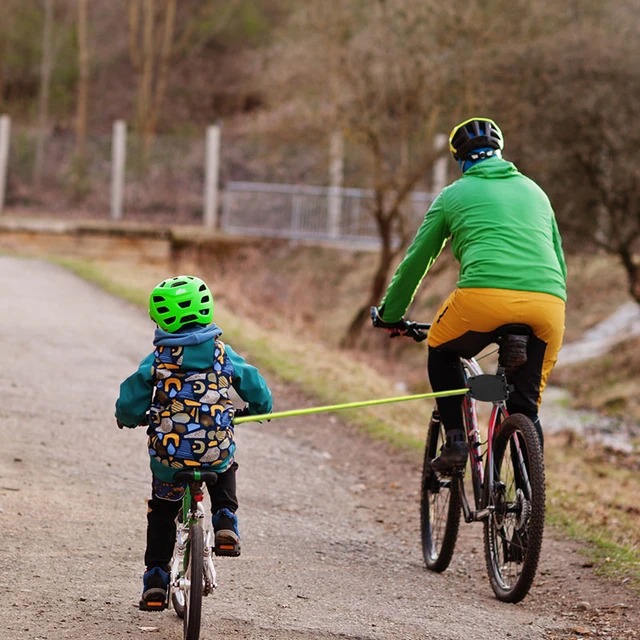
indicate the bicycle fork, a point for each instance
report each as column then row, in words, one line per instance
column 178, row 566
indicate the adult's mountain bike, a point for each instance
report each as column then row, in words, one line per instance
column 506, row 477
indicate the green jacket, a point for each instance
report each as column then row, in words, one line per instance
column 503, row 233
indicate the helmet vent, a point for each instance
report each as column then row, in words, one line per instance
column 162, row 309
column 158, row 298
column 205, row 299
column 180, row 283
column 192, row 317
column 185, row 304
column 203, row 287
column 170, row 320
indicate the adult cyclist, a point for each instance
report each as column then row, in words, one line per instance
column 512, row 270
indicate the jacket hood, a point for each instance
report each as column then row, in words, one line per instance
column 492, row 168
column 195, row 334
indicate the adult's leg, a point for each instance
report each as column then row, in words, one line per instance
column 446, row 372
column 526, row 381
column 545, row 314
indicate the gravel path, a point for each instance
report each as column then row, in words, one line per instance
column 328, row 517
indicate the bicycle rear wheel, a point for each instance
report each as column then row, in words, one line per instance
column 513, row 531
column 440, row 506
column 194, row 583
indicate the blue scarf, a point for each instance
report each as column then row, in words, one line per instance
column 467, row 164
column 189, row 335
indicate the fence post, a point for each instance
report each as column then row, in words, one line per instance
column 439, row 176
column 118, row 164
column 296, row 214
column 212, row 176
column 5, row 135
column 336, row 178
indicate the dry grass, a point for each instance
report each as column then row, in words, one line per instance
column 593, row 494
column 609, row 383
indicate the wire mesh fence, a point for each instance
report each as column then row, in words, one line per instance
column 306, row 213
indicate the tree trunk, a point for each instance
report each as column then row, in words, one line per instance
column 632, row 268
column 378, row 285
column 46, row 64
column 83, row 82
column 163, row 71
column 146, row 71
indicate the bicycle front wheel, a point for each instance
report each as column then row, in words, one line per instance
column 516, row 499
column 194, row 583
column 440, row 506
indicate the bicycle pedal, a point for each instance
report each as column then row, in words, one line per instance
column 229, row 550
column 152, row 606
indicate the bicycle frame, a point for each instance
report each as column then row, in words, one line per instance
column 498, row 414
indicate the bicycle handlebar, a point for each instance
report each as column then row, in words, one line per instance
column 415, row 330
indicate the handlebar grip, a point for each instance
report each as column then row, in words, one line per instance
column 415, row 332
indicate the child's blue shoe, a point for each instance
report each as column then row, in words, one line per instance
column 155, row 590
column 227, row 539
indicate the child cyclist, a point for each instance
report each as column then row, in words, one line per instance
column 183, row 386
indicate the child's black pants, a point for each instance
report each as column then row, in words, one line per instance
column 161, row 516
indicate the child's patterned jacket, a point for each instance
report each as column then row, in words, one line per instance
column 184, row 385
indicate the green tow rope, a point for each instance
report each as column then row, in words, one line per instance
column 350, row 405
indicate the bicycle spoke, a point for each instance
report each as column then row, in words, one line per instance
column 440, row 507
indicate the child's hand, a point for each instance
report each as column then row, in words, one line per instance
column 120, row 425
column 243, row 411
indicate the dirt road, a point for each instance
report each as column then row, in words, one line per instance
column 328, row 518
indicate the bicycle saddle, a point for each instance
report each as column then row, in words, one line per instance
column 514, row 329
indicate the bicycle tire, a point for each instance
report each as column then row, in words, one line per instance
column 515, row 526
column 440, row 507
column 195, row 577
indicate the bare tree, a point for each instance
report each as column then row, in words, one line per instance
column 378, row 73
column 46, row 66
column 151, row 40
column 577, row 125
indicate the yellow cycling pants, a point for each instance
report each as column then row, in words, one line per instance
column 466, row 322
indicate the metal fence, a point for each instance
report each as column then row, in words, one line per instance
column 179, row 179
column 306, row 213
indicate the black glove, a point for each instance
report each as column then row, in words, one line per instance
column 395, row 329
column 400, row 328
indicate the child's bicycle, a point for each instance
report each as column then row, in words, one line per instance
column 193, row 574
column 507, row 476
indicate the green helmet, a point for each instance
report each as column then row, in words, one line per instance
column 179, row 301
